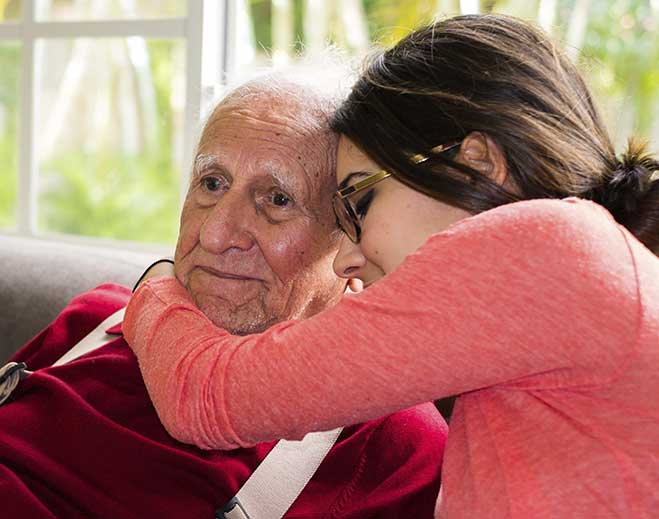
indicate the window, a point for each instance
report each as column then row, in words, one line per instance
column 100, row 100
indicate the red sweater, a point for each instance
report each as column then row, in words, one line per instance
column 543, row 316
column 82, row 440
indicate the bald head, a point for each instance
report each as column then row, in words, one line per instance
column 258, row 234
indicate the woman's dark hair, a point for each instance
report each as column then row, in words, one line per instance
column 503, row 77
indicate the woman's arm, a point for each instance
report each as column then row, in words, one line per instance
column 531, row 293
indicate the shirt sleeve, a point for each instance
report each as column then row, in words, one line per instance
column 534, row 293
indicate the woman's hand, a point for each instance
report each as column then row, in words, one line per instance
column 162, row 267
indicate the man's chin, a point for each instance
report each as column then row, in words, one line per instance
column 237, row 320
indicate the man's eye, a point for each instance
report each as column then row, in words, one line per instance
column 211, row 183
column 362, row 205
column 280, row 200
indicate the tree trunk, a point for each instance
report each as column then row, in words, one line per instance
column 470, row 6
column 282, row 31
column 316, row 25
column 448, row 8
column 576, row 30
column 354, row 23
column 547, row 14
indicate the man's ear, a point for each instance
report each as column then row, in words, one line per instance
column 480, row 152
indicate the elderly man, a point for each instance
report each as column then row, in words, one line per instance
column 256, row 244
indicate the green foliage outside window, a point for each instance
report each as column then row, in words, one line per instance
column 112, row 195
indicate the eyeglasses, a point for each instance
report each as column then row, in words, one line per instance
column 344, row 210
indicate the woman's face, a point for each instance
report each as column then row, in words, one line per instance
column 396, row 220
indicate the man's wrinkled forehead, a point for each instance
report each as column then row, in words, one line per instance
column 287, row 131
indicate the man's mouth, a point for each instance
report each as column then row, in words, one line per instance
column 227, row 275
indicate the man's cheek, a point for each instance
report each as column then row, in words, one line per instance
column 187, row 241
column 189, row 232
column 288, row 255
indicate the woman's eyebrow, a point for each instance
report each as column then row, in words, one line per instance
column 344, row 183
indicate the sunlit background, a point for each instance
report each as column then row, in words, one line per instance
column 105, row 134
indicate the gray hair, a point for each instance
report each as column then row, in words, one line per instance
column 322, row 79
column 313, row 87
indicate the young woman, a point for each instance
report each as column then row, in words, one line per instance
column 509, row 259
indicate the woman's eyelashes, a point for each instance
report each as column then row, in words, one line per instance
column 362, row 205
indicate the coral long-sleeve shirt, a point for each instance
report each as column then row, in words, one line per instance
column 543, row 316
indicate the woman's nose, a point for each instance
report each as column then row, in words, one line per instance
column 349, row 260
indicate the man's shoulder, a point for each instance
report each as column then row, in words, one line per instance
column 394, row 440
column 75, row 321
column 418, row 421
column 100, row 301
column 388, row 467
column 419, row 428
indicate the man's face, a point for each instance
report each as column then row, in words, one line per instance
column 258, row 235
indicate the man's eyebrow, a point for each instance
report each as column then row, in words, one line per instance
column 288, row 184
column 203, row 161
column 354, row 174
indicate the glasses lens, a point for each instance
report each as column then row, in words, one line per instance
column 345, row 219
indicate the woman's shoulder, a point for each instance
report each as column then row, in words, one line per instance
column 537, row 239
column 576, row 224
column 567, row 212
column 544, row 214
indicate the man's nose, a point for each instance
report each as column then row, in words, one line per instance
column 229, row 224
column 350, row 260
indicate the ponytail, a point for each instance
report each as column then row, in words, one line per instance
column 631, row 193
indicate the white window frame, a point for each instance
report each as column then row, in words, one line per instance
column 27, row 30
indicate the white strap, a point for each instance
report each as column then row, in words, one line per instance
column 280, row 478
column 94, row 339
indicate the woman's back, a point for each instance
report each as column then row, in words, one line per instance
column 580, row 440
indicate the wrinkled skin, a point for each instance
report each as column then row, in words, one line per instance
column 258, row 235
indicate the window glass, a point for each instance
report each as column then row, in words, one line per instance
column 109, row 143
column 10, row 10
column 70, row 10
column 10, row 62
column 615, row 43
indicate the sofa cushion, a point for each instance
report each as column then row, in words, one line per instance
column 40, row 277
